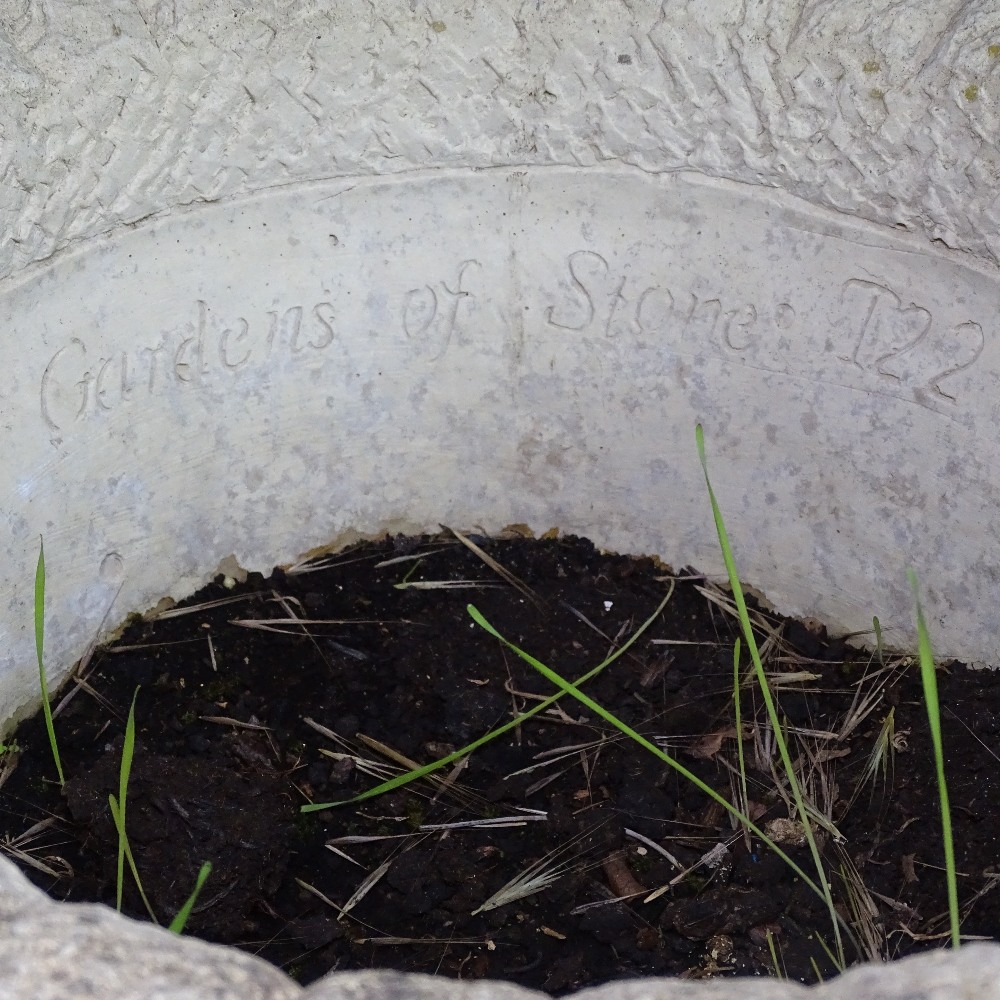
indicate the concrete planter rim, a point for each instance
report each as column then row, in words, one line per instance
column 265, row 288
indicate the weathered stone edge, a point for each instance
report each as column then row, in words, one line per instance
column 77, row 951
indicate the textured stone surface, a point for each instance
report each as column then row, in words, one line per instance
column 971, row 974
column 118, row 110
column 395, row 986
column 65, row 951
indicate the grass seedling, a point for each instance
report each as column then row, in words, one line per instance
column 779, row 967
column 929, row 681
column 772, row 712
column 877, row 629
column 600, row 710
column 179, row 922
column 39, row 651
column 118, row 814
column 404, row 779
column 738, row 715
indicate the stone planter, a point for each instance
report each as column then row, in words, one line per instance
column 279, row 275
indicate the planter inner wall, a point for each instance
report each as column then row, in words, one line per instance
column 283, row 371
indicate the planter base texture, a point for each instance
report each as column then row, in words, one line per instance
column 67, row 951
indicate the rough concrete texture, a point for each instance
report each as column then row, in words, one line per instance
column 64, row 951
column 276, row 275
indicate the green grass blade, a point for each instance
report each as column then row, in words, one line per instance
column 738, row 713
column 39, row 652
column 118, row 813
column 928, row 678
column 765, row 688
column 128, row 751
column 126, row 849
column 779, row 972
column 623, row 727
column 179, row 922
column 420, row 772
column 40, row 602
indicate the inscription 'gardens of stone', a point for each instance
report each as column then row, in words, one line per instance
column 79, row 381
column 870, row 334
column 855, row 333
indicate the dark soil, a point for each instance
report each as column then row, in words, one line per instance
column 239, row 726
